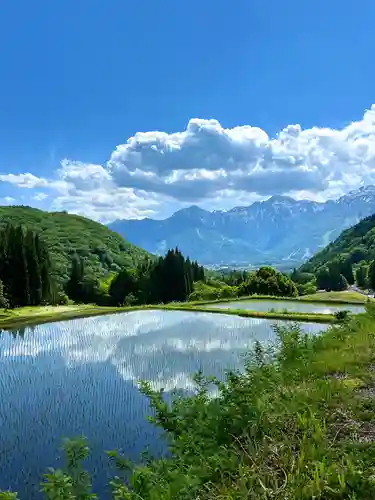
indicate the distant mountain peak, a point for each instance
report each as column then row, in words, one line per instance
column 280, row 198
column 192, row 210
column 275, row 230
column 370, row 189
column 365, row 189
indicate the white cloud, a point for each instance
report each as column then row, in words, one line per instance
column 8, row 200
column 40, row 196
column 84, row 176
column 154, row 173
column 88, row 190
column 106, row 204
column 29, row 181
column 205, row 158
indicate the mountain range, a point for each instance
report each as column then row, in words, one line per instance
column 278, row 230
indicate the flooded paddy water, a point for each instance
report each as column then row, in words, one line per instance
column 80, row 377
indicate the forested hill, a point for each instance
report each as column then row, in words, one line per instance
column 67, row 234
column 355, row 244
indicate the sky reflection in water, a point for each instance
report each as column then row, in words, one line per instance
column 80, row 377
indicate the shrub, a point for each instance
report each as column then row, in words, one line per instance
column 284, row 428
column 342, row 315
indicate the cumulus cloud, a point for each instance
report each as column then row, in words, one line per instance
column 29, row 181
column 154, row 173
column 8, row 200
column 206, row 158
column 86, row 189
column 106, row 205
column 84, row 176
column 40, row 196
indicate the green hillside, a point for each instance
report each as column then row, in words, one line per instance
column 66, row 234
column 355, row 244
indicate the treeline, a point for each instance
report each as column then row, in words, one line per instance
column 28, row 278
column 268, row 281
column 264, row 281
column 26, row 274
column 365, row 275
column 351, row 255
column 336, row 275
column 162, row 280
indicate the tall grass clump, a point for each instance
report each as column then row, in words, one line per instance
column 297, row 423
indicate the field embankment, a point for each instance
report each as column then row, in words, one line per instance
column 245, row 313
column 29, row 316
column 345, row 297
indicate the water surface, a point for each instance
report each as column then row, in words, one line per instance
column 290, row 305
column 80, row 377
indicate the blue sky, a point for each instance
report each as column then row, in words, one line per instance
column 81, row 78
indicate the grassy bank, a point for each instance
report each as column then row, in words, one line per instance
column 29, row 316
column 346, row 297
column 298, row 423
column 287, row 315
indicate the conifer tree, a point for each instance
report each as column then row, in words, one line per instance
column 19, row 281
column 371, row 275
column 74, row 284
column 46, row 270
column 122, row 286
column 33, row 267
column 361, row 276
column 4, row 303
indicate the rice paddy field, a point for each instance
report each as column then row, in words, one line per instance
column 288, row 305
column 80, row 376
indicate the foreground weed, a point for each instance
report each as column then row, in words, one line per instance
column 295, row 424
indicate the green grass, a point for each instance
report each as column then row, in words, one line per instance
column 287, row 315
column 298, row 423
column 28, row 316
column 347, row 297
